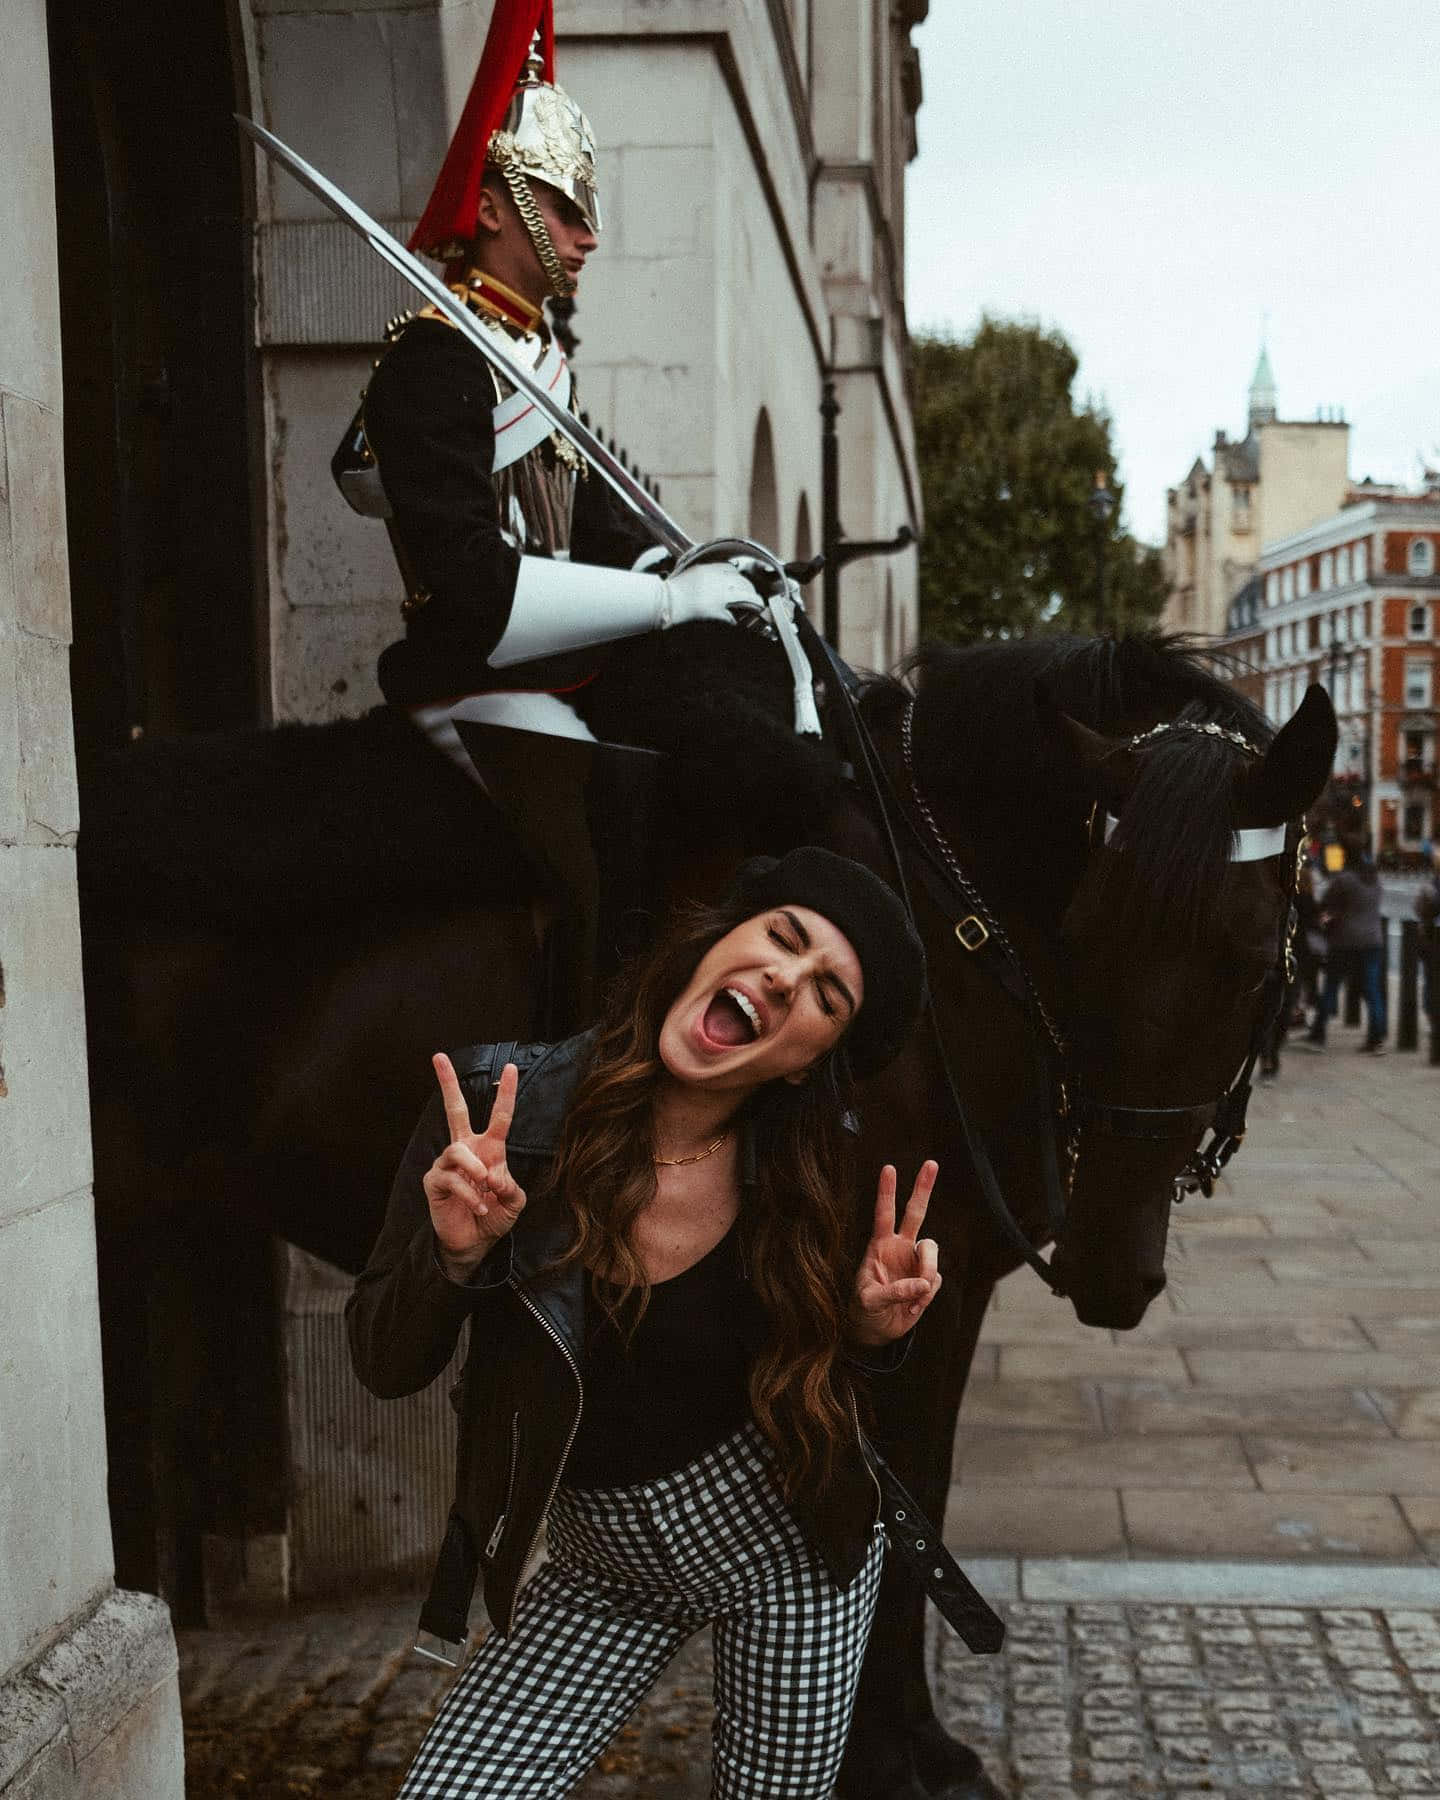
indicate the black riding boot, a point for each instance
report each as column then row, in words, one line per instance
column 584, row 813
column 622, row 805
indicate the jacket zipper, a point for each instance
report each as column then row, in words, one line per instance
column 493, row 1542
column 564, row 1350
column 874, row 1480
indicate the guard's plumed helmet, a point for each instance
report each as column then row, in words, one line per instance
column 516, row 120
column 545, row 135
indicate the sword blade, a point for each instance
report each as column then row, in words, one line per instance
column 604, row 462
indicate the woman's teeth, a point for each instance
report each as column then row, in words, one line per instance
column 746, row 1007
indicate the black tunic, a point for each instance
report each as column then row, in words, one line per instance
column 678, row 1386
column 428, row 419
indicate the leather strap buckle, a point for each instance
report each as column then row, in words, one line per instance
column 972, row 932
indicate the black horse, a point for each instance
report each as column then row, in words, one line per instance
column 279, row 929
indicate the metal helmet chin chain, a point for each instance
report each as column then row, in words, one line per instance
column 1224, row 1119
column 533, row 220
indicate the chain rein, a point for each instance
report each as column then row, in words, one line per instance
column 1204, row 1166
column 968, row 888
column 1065, row 1081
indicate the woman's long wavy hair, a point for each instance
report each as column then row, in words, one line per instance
column 799, row 1237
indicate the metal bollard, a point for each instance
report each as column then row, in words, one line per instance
column 1433, row 950
column 1407, row 1030
column 1384, row 971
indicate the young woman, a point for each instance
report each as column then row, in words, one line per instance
column 653, row 1241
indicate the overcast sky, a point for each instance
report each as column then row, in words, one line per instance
column 1157, row 180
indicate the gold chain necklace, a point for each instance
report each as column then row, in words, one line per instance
column 680, row 1162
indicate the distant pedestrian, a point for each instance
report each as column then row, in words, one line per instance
column 1427, row 911
column 1303, row 991
column 1311, row 948
column 1354, row 932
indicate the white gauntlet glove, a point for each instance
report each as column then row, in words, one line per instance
column 560, row 606
column 707, row 591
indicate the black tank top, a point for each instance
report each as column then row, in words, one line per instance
column 678, row 1387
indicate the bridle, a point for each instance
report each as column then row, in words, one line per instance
column 1062, row 1108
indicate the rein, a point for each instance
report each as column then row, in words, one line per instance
column 1061, row 1108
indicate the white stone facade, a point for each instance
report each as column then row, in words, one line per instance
column 1281, row 477
column 751, row 164
column 88, row 1696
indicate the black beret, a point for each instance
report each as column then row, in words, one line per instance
column 892, row 958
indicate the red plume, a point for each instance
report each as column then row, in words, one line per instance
column 449, row 217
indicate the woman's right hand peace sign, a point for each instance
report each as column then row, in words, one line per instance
column 474, row 1199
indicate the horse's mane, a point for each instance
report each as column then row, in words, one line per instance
column 989, row 750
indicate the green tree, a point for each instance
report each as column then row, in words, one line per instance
column 1007, row 468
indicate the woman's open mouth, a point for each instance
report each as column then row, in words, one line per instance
column 731, row 1020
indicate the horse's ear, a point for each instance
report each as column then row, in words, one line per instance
column 1297, row 764
column 1109, row 763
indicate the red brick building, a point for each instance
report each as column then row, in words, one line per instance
column 1354, row 603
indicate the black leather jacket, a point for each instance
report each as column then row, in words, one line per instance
column 520, row 1395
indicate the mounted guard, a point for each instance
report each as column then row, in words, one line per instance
column 519, row 565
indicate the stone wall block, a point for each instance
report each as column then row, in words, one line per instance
column 12, row 813
column 55, row 1554
column 34, row 479
column 44, row 1113
column 652, row 312
column 7, row 570
column 668, row 196
column 325, row 660
column 48, row 794
column 690, row 499
column 143, row 1756
column 844, row 232
column 30, row 315
column 319, row 284
column 664, row 416
column 108, row 1666
column 323, row 554
column 677, row 101
column 32, row 1717
column 50, row 1777
column 431, row 88
column 336, row 124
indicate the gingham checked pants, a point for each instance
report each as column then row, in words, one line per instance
column 633, row 1573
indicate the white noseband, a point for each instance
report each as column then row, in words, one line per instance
column 1245, row 846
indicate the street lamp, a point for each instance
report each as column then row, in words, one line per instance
column 1102, row 505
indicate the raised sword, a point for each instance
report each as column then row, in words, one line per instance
column 604, row 462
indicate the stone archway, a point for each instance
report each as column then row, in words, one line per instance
column 764, row 515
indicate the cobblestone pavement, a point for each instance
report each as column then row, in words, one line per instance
column 1282, row 1398
column 1185, row 1702
column 1101, row 1701
column 333, row 1701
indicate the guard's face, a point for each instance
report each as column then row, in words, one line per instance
column 569, row 229
column 503, row 246
column 764, row 1004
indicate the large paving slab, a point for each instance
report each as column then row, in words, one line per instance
column 1282, row 1398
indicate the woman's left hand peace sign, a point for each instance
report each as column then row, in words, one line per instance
column 899, row 1274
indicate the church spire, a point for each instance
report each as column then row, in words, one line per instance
column 1262, row 391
